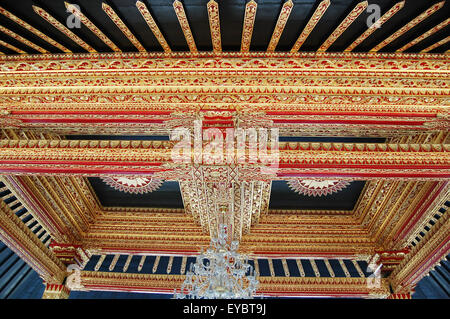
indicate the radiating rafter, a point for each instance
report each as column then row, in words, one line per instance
column 214, row 25
column 11, row 47
column 184, row 24
column 377, row 24
column 349, row 19
column 425, row 35
column 76, row 12
column 58, row 25
column 17, row 37
column 153, row 26
column 317, row 15
column 409, row 26
column 122, row 27
column 281, row 23
column 436, row 45
column 28, row 27
column 249, row 22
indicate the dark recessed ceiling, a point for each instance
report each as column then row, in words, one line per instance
column 231, row 19
column 167, row 196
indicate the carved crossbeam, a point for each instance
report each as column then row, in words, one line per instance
column 350, row 161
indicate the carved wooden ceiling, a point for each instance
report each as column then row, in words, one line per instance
column 43, row 26
column 356, row 116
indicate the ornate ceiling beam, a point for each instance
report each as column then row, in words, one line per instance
column 58, row 25
column 409, row 26
column 247, row 27
column 269, row 286
column 75, row 11
column 281, row 23
column 376, row 25
column 214, row 25
column 312, row 160
column 153, row 26
column 30, row 28
column 184, row 24
column 317, row 15
column 349, row 19
column 122, row 27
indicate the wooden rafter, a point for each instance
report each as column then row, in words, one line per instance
column 91, row 26
column 58, row 25
column 214, row 25
column 30, row 28
column 349, row 19
column 392, row 11
column 122, row 27
column 152, row 25
column 11, row 47
column 17, row 37
column 184, row 24
column 281, row 23
column 317, row 15
column 425, row 35
column 436, row 45
column 249, row 22
column 409, row 26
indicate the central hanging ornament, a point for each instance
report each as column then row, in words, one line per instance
column 139, row 185
column 219, row 273
column 317, row 188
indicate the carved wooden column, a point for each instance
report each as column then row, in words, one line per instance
column 20, row 239
column 53, row 291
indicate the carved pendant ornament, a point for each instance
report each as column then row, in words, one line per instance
column 139, row 185
column 317, row 188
